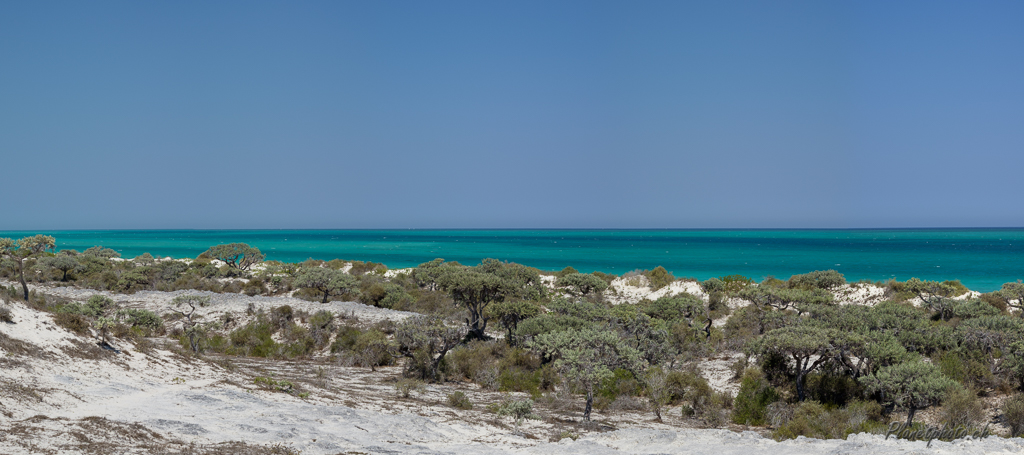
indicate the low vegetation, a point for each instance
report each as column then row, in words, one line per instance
column 810, row 367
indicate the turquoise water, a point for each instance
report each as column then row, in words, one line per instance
column 982, row 259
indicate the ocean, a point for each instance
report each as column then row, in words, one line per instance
column 982, row 259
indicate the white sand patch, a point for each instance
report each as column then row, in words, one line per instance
column 393, row 273
column 859, row 294
column 636, row 288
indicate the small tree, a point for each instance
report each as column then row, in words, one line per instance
column 491, row 282
column 1013, row 295
column 936, row 296
column 581, row 284
column 910, row 385
column 519, row 410
column 425, row 340
column 237, row 255
column 510, row 313
column 62, row 262
column 587, row 356
column 327, row 281
column 193, row 330
column 101, row 252
column 783, row 298
column 820, row 279
column 18, row 251
column 808, row 346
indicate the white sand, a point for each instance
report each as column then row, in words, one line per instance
column 47, row 371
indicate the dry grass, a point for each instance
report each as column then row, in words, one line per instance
column 98, row 435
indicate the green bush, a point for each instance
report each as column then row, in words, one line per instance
column 753, row 398
column 813, row 420
column 321, row 325
column 459, row 400
column 820, row 279
column 961, row 407
column 659, row 277
column 146, row 320
column 5, row 315
column 1013, row 414
column 255, row 339
column 72, row 321
column 407, row 386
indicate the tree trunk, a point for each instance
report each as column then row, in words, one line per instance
column 590, row 405
column 800, row 393
column 21, row 277
column 910, row 415
column 326, row 295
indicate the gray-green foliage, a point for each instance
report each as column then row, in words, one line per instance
column 194, row 330
column 474, row 288
column 751, row 404
column 808, row 346
column 424, row 341
column 582, row 284
column 101, row 252
column 519, row 410
column 146, row 320
column 237, row 255
column 63, row 263
column 588, row 356
column 510, row 312
column 909, row 385
column 1013, row 414
column 321, row 325
column 95, row 307
column 16, row 252
column 328, row 282
column 820, row 279
column 1013, row 294
column 783, row 298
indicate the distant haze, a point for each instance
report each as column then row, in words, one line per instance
column 212, row 115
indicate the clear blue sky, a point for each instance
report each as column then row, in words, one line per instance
column 511, row 114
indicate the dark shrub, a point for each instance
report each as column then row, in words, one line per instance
column 73, row 322
column 459, row 400
column 752, row 401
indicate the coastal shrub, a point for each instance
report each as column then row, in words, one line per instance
column 471, row 359
column 321, row 325
column 407, row 386
column 961, row 407
column 813, row 420
column 752, row 400
column 147, row 321
column 74, row 322
column 519, row 410
column 361, row 268
column 366, row 349
column 459, row 400
column 820, row 279
column 5, row 315
column 254, row 339
column 566, row 271
column 833, row 388
column 659, row 277
column 281, row 316
column 101, row 252
column 1013, row 414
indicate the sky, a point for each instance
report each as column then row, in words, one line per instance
column 548, row 114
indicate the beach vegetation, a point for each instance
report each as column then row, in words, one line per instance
column 582, row 284
column 18, row 253
column 459, row 400
column 238, row 256
column 659, row 277
column 328, row 282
